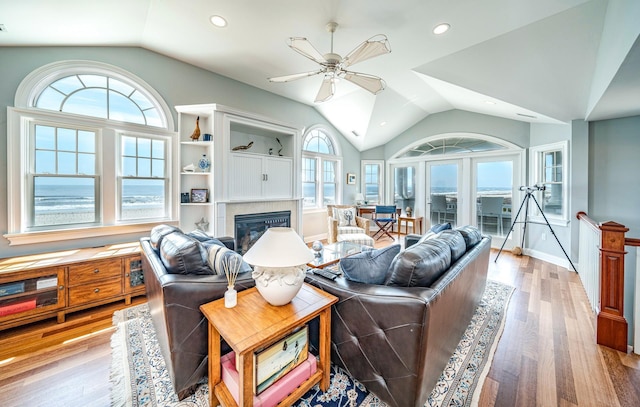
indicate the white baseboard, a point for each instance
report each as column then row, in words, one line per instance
column 558, row 261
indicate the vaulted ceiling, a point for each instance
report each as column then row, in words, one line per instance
column 540, row 61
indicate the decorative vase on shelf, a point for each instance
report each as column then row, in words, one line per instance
column 204, row 163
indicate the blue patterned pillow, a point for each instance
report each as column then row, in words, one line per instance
column 370, row 266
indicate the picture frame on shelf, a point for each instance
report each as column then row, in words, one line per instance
column 351, row 178
column 199, row 195
column 184, row 197
column 275, row 361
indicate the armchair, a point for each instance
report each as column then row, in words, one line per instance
column 354, row 228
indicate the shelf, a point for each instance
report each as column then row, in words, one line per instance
column 28, row 293
column 196, row 204
column 195, row 173
column 197, row 143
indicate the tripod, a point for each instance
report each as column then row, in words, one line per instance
column 525, row 204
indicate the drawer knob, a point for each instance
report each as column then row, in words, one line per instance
column 61, row 288
column 97, row 290
column 96, row 271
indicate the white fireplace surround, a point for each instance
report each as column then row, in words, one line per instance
column 226, row 212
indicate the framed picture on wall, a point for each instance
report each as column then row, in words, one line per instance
column 351, row 178
column 199, row 195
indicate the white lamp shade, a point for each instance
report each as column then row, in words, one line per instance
column 279, row 247
column 279, row 257
column 359, row 196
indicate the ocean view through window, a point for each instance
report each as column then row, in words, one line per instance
column 70, row 203
column 92, row 155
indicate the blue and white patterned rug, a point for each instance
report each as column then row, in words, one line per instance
column 139, row 376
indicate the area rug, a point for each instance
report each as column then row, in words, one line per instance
column 139, row 377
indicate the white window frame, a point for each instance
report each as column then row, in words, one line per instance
column 166, row 178
column 21, row 117
column 363, row 165
column 320, row 159
column 536, row 177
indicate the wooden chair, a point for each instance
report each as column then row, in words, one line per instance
column 384, row 217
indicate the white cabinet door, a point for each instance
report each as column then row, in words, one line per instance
column 245, row 177
column 260, row 177
column 278, row 183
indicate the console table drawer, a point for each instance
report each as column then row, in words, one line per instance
column 93, row 292
column 96, row 270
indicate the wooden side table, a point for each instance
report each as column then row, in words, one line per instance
column 254, row 324
column 414, row 220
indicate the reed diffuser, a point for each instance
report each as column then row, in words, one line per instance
column 231, row 266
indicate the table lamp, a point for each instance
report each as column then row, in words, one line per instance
column 279, row 258
column 359, row 198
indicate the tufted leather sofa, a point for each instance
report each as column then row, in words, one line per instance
column 397, row 340
column 174, row 302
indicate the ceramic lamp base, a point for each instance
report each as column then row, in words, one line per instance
column 278, row 286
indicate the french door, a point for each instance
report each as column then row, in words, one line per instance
column 476, row 191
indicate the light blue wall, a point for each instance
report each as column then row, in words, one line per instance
column 614, row 187
column 177, row 82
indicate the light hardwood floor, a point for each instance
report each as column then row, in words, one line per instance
column 547, row 355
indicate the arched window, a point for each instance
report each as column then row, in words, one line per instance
column 98, row 141
column 321, row 169
column 100, row 96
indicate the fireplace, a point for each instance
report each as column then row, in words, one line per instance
column 249, row 228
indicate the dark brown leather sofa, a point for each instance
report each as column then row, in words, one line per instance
column 397, row 340
column 174, row 302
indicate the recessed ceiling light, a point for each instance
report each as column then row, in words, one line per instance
column 218, row 21
column 441, row 28
column 526, row 115
column 383, row 123
column 489, row 102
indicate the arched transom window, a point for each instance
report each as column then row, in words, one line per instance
column 100, row 96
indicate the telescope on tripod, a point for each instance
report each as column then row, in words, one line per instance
column 529, row 190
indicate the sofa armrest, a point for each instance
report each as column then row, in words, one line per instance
column 174, row 303
column 411, row 239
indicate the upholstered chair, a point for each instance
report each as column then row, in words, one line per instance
column 353, row 230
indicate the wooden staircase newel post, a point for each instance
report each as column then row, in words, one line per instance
column 611, row 325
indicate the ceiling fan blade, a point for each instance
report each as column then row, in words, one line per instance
column 293, row 77
column 327, row 89
column 304, row 47
column 368, row 82
column 374, row 46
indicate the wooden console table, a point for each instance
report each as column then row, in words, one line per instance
column 253, row 324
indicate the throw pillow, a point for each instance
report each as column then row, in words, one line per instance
column 218, row 255
column 471, row 235
column 420, row 265
column 159, row 232
column 182, row 254
column 369, row 266
column 455, row 241
column 427, row 236
column 345, row 216
column 204, row 238
column 439, row 227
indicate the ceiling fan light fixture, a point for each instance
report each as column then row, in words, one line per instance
column 441, row 28
column 333, row 66
column 218, row 21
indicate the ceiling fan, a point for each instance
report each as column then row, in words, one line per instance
column 333, row 66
